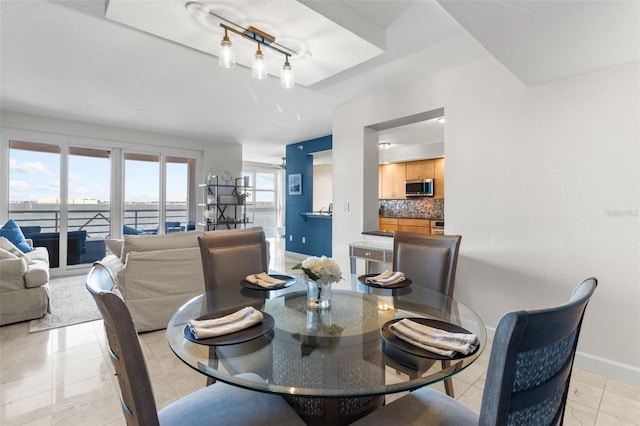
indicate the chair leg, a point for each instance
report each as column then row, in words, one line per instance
column 213, row 359
column 448, row 387
column 448, row 383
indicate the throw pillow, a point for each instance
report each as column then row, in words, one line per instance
column 11, row 231
column 8, row 246
column 4, row 254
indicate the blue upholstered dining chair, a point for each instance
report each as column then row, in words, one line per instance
column 219, row 404
column 527, row 379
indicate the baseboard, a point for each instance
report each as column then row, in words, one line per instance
column 624, row 373
column 620, row 372
column 295, row 255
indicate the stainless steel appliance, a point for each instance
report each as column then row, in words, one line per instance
column 418, row 188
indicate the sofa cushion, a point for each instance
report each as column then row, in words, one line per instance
column 142, row 243
column 5, row 244
column 12, row 275
column 5, row 254
column 11, row 231
column 40, row 254
column 115, row 246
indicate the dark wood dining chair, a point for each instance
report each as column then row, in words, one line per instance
column 219, row 404
column 527, row 378
column 429, row 261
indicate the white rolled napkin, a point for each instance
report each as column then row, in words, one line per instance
column 387, row 278
column 432, row 339
column 244, row 318
column 264, row 280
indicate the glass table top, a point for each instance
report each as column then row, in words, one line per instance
column 338, row 352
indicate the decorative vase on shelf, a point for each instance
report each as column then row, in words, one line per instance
column 211, row 179
column 320, row 273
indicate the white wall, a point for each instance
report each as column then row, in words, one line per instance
column 322, row 186
column 543, row 184
column 219, row 156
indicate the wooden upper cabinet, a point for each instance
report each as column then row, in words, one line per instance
column 391, row 181
column 423, row 169
column 438, row 182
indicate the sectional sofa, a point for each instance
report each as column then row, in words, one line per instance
column 156, row 274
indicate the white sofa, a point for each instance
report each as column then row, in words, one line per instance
column 24, row 287
column 156, row 274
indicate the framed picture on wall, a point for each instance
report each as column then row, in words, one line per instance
column 295, row 184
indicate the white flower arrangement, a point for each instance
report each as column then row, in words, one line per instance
column 320, row 269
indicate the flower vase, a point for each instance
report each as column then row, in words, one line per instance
column 318, row 294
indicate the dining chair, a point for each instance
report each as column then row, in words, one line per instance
column 220, row 404
column 527, row 379
column 228, row 256
column 429, row 261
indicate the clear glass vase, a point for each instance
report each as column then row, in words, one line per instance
column 318, row 294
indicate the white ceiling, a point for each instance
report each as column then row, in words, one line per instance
column 65, row 59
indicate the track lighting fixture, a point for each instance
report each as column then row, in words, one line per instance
column 259, row 67
column 226, row 57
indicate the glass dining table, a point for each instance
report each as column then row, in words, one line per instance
column 334, row 365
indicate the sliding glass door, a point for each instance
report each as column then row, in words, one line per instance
column 62, row 196
column 34, row 194
column 89, row 204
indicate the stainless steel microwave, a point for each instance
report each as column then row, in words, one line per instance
column 418, row 188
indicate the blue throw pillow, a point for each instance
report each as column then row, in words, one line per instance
column 130, row 230
column 11, row 231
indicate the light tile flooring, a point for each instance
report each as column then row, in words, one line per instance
column 64, row 377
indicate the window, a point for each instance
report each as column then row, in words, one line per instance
column 262, row 202
column 80, row 192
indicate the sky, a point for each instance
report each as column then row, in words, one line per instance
column 35, row 176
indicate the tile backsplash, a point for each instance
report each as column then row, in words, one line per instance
column 423, row 208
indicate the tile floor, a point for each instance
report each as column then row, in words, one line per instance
column 64, row 377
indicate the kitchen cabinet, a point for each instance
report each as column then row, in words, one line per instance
column 388, row 224
column 423, row 169
column 391, row 181
column 419, row 226
column 438, row 178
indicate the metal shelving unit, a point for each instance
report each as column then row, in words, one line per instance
column 225, row 205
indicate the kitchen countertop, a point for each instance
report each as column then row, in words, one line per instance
column 379, row 233
column 410, row 217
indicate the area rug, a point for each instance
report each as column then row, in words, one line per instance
column 71, row 304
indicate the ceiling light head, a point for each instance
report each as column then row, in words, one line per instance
column 287, row 78
column 259, row 68
column 226, row 55
column 384, row 145
column 441, row 120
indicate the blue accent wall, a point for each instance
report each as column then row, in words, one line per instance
column 315, row 231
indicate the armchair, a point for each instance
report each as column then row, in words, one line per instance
column 24, row 286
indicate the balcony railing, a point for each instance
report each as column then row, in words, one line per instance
column 96, row 222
